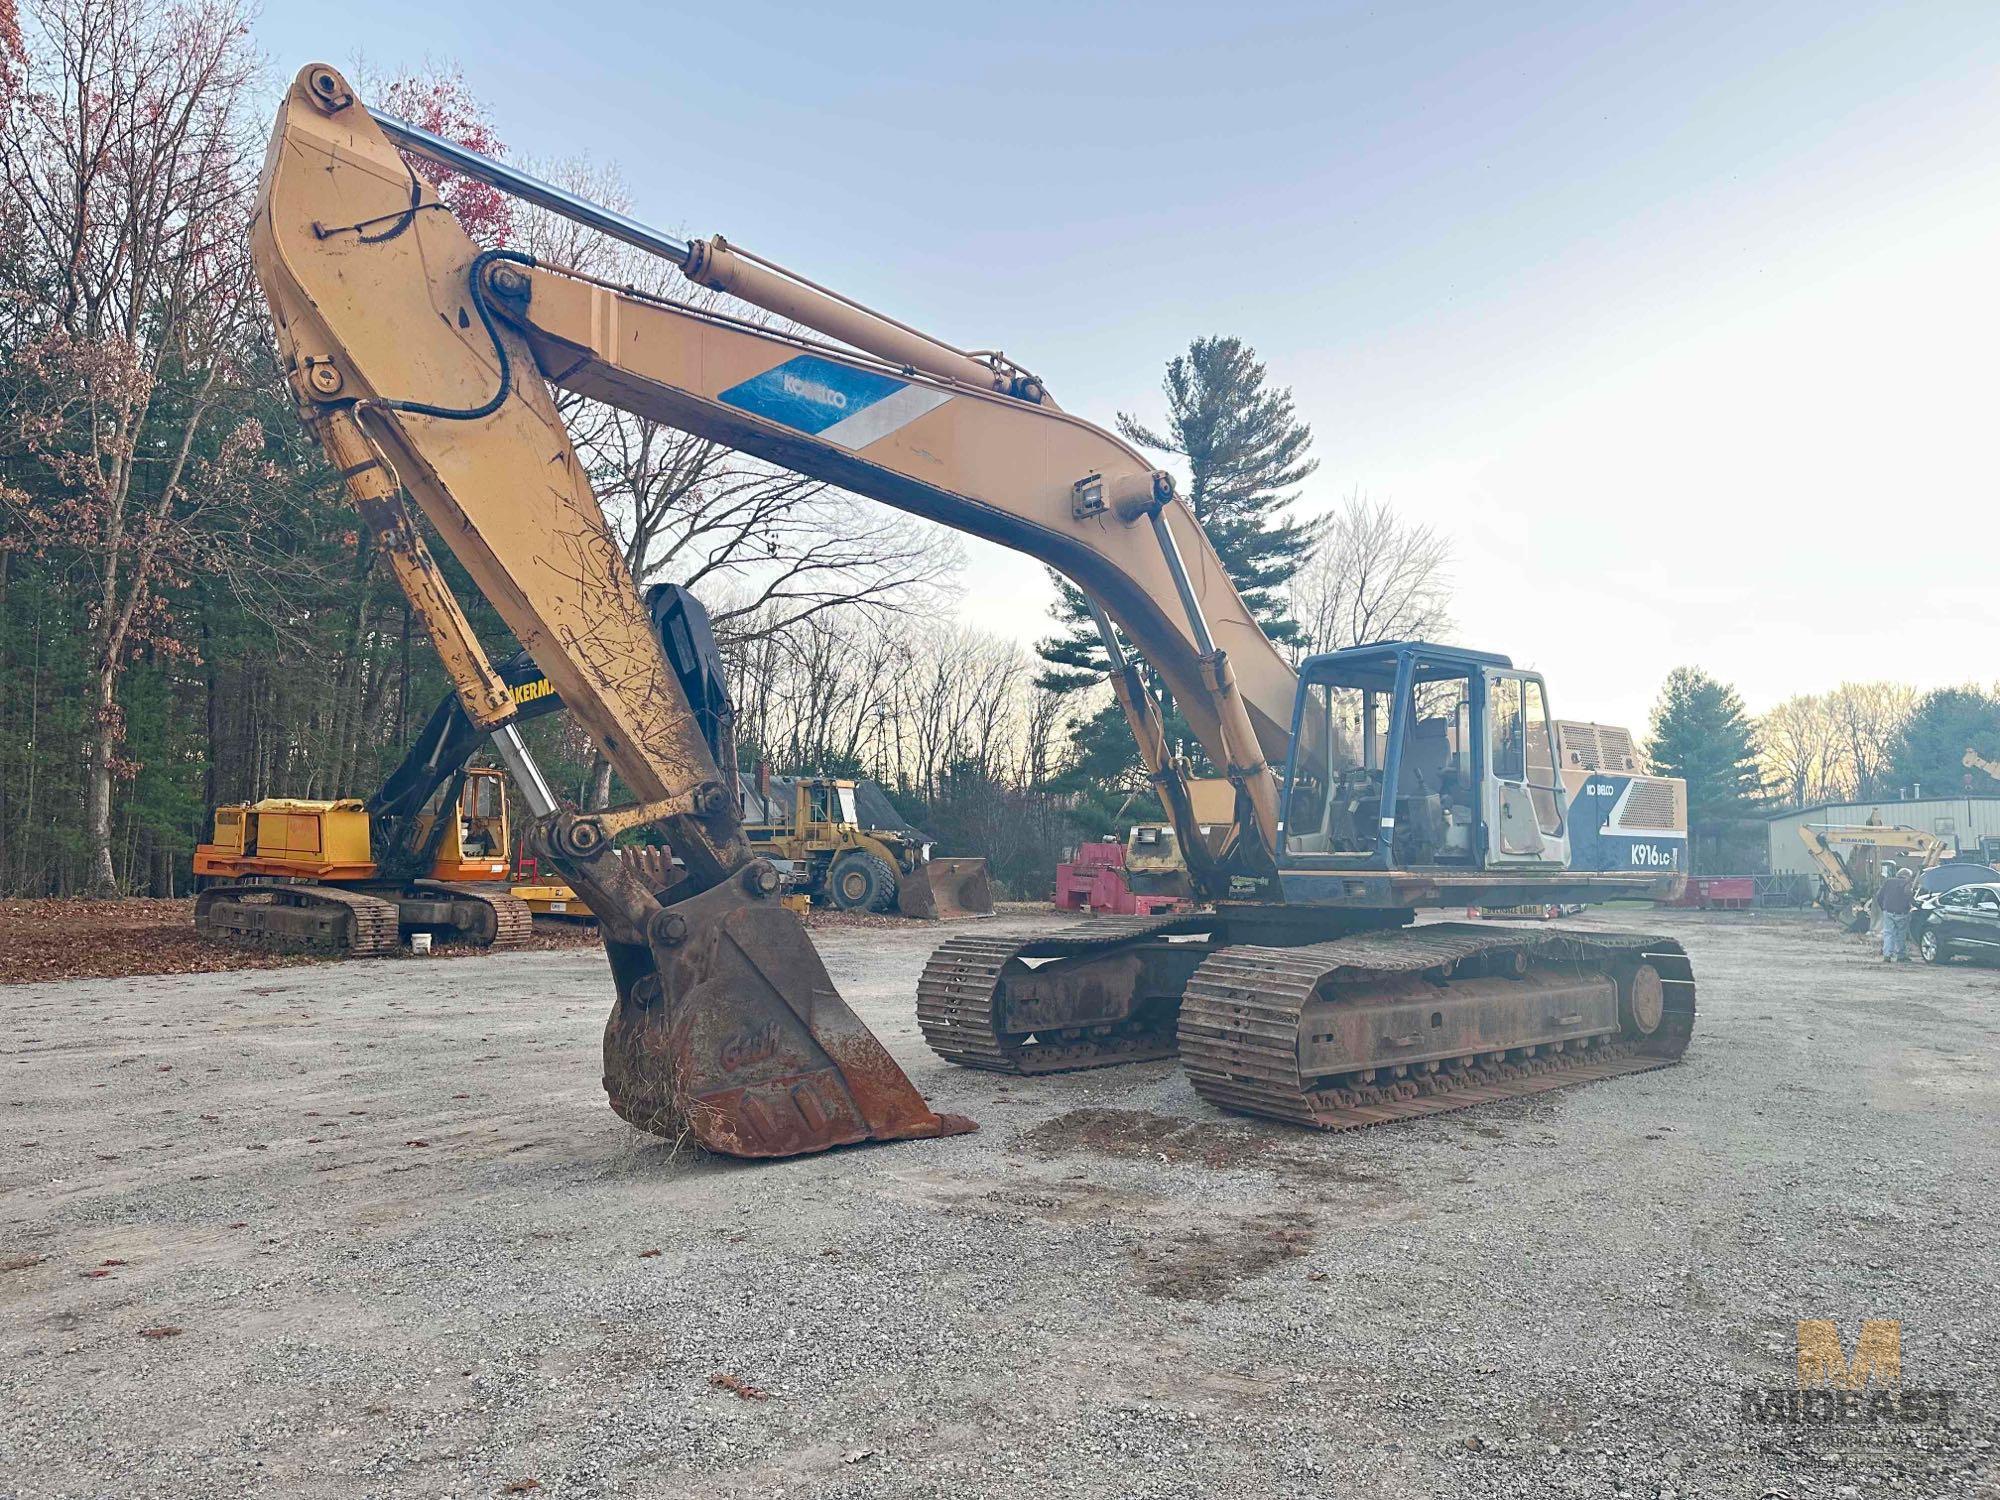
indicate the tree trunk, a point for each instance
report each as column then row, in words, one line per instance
column 600, row 783
column 97, row 782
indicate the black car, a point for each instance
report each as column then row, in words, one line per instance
column 1965, row 919
column 1941, row 878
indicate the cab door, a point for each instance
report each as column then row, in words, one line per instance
column 1522, row 799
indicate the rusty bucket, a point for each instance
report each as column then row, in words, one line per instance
column 730, row 1031
column 946, row 888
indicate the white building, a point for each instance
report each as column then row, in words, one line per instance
column 1964, row 819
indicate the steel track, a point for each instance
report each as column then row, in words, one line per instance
column 959, row 995
column 1241, row 1015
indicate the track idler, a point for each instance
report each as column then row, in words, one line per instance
column 728, row 1029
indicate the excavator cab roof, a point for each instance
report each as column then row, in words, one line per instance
column 1376, row 665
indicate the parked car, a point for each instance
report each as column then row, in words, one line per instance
column 1965, row 919
column 1941, row 878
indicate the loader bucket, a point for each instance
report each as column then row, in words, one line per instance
column 734, row 1034
column 946, row 888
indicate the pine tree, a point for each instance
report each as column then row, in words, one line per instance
column 1702, row 734
column 1929, row 749
column 1246, row 452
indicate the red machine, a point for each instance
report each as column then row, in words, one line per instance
column 1719, row 893
column 1094, row 881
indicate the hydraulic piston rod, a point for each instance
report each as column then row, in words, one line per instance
column 531, row 189
column 714, row 263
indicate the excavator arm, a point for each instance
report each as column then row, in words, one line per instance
column 727, row 1027
column 970, row 441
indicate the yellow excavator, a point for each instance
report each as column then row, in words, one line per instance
column 1848, row 881
column 430, row 850
column 1366, row 784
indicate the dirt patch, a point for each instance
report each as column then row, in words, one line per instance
column 1205, row 1265
column 79, row 939
column 1140, row 1135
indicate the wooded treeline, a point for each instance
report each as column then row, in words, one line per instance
column 190, row 614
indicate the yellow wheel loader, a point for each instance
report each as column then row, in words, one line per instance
column 852, row 868
column 1366, row 785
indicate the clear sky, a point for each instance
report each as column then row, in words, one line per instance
column 1681, row 319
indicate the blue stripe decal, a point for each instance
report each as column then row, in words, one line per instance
column 811, row 394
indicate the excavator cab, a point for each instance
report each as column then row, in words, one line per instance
column 1408, row 756
column 474, row 844
column 825, row 807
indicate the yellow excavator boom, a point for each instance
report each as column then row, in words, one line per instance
column 382, row 309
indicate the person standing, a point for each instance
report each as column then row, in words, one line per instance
column 1896, row 899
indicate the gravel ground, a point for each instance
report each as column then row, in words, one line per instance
column 368, row 1230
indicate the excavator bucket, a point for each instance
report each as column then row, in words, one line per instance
column 738, row 1038
column 946, row 888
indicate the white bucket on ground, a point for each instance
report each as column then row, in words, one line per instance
column 420, row 942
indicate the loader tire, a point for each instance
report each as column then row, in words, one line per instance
column 861, row 882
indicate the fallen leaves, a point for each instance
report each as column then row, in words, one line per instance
column 520, row 1486
column 81, row 939
column 737, row 1386
column 649, row 1255
column 66, row 939
column 164, row 1331
column 416, row 1143
column 20, row 1262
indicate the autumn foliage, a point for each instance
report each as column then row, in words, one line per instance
column 441, row 103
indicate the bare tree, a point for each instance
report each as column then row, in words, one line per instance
column 1821, row 747
column 128, row 182
column 1798, row 751
column 766, row 549
column 1372, row 577
column 1866, row 716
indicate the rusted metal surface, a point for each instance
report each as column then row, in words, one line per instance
column 1102, row 991
column 1391, row 1025
column 653, row 866
column 946, row 888
column 738, row 1038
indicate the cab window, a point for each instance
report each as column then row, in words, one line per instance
column 1544, row 785
column 1333, row 764
column 486, row 797
column 1510, row 750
